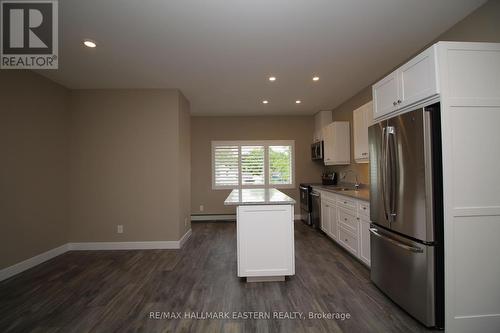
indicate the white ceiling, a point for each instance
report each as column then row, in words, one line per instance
column 220, row 53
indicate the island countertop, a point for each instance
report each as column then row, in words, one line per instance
column 258, row 196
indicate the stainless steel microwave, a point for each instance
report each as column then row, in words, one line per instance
column 317, row 150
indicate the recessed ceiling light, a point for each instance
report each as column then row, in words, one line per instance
column 265, row 102
column 298, row 101
column 315, row 78
column 89, row 43
column 272, row 78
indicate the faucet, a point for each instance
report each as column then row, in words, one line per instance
column 356, row 184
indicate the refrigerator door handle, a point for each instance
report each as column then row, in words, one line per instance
column 383, row 167
column 392, row 151
column 395, row 242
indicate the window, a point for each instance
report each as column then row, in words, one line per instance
column 280, row 166
column 226, row 165
column 252, row 164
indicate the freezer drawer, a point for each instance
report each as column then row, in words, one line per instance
column 404, row 271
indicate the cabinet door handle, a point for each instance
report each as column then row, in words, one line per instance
column 364, row 154
column 394, row 103
column 399, row 101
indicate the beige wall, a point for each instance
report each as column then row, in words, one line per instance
column 344, row 113
column 483, row 25
column 76, row 164
column 33, row 165
column 124, row 165
column 206, row 129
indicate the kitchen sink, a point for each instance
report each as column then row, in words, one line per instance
column 343, row 189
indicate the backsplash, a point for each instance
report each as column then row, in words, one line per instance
column 360, row 169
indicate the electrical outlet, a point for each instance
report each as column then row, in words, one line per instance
column 119, row 229
column 202, row 208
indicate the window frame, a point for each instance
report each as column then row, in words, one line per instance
column 266, row 144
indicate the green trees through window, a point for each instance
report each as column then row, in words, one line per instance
column 280, row 165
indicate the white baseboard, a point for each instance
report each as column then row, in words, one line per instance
column 149, row 245
column 184, row 238
column 104, row 246
column 90, row 246
column 222, row 217
column 32, row 262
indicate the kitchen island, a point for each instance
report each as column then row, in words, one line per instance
column 264, row 228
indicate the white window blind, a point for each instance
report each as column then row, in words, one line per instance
column 252, row 165
column 226, row 165
column 239, row 164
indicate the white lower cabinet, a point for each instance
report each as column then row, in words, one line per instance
column 329, row 218
column 349, row 240
column 346, row 220
column 325, row 216
column 364, row 241
column 333, row 222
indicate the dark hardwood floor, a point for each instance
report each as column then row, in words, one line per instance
column 116, row 291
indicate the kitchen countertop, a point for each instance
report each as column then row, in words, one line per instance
column 362, row 194
column 258, row 196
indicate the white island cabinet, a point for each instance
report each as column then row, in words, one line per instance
column 264, row 228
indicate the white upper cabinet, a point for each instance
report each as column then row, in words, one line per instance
column 417, row 78
column 321, row 119
column 385, row 95
column 337, row 143
column 413, row 82
column 318, row 135
column 362, row 119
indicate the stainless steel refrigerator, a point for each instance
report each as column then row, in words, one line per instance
column 406, row 235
